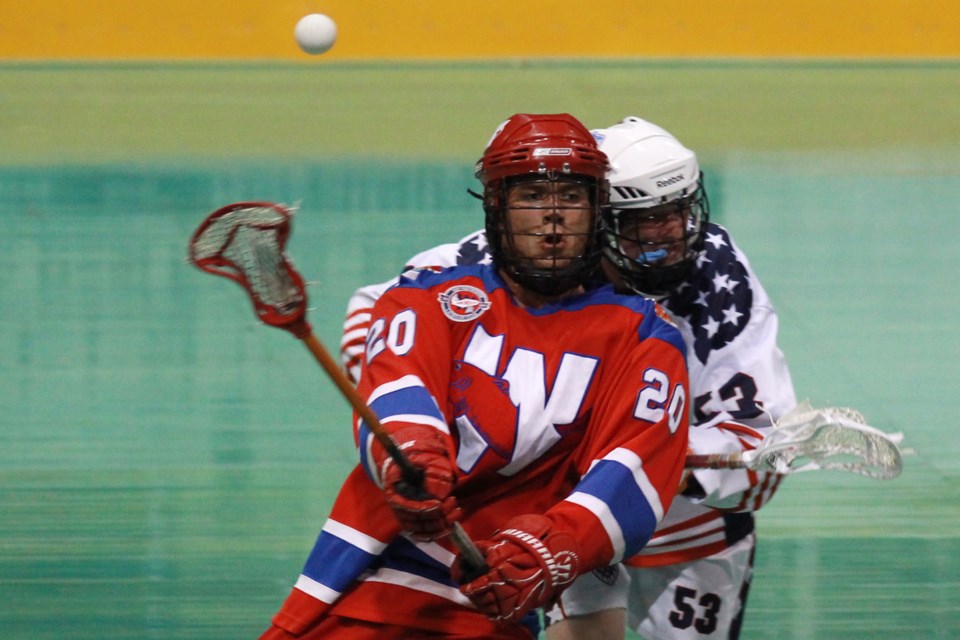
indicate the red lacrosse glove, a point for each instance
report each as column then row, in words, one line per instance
column 428, row 511
column 529, row 567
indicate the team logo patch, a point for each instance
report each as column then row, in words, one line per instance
column 463, row 303
column 664, row 315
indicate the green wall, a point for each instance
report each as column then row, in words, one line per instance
column 167, row 461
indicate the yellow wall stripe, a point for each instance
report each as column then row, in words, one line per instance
column 447, row 29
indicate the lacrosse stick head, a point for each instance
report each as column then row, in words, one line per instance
column 245, row 242
column 831, row 438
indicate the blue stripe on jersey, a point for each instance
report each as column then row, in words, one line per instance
column 426, row 278
column 492, row 281
column 335, row 563
column 403, row 555
column 613, row 483
column 414, row 400
column 652, row 326
column 363, row 437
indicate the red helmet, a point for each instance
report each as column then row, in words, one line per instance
column 555, row 147
column 537, row 144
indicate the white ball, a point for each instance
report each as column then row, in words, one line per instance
column 315, row 33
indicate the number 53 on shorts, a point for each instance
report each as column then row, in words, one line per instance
column 693, row 609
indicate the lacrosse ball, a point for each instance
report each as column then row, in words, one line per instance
column 315, row 33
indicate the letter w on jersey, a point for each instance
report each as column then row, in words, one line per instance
column 512, row 414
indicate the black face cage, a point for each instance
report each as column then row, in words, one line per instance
column 648, row 278
column 545, row 281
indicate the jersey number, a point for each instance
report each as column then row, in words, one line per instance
column 657, row 398
column 738, row 397
column 684, row 615
column 399, row 338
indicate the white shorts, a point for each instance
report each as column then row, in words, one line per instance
column 687, row 601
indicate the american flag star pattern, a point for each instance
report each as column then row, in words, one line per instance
column 474, row 250
column 717, row 298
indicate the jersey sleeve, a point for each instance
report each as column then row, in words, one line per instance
column 632, row 459
column 407, row 366
column 469, row 250
column 731, row 489
column 744, row 387
column 356, row 533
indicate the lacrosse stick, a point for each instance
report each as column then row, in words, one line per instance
column 807, row 439
column 245, row 242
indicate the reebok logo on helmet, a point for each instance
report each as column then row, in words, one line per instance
column 669, row 181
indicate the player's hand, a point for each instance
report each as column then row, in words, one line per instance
column 530, row 564
column 426, row 512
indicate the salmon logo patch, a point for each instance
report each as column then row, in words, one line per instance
column 463, row 303
column 664, row 315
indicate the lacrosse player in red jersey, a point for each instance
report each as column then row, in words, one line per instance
column 692, row 579
column 549, row 420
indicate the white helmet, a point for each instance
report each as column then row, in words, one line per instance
column 649, row 169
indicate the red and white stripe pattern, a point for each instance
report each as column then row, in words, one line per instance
column 356, row 325
column 698, row 528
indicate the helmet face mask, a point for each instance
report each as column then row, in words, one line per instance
column 549, row 232
column 658, row 214
column 654, row 249
column 544, row 190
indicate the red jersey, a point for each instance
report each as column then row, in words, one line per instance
column 577, row 410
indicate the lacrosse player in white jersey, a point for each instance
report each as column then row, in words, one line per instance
column 692, row 579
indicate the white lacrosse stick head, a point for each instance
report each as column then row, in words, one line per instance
column 806, row 439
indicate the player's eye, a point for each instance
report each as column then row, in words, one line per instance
column 529, row 195
column 574, row 197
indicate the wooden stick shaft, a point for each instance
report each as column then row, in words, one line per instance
column 411, row 473
column 714, row 461
column 349, row 392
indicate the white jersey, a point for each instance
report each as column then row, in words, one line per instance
column 739, row 381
